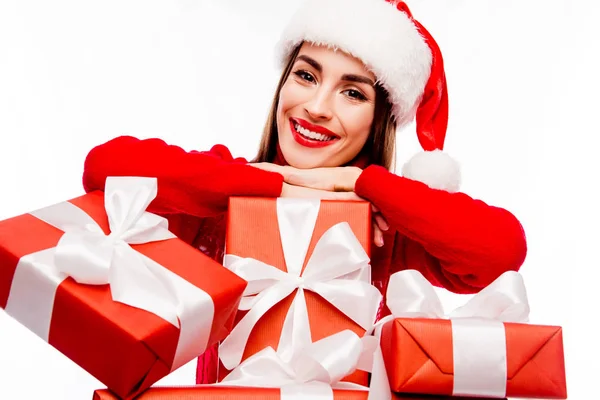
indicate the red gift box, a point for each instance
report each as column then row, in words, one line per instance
column 315, row 374
column 125, row 347
column 484, row 348
column 222, row 393
column 419, row 358
column 233, row 393
column 270, row 230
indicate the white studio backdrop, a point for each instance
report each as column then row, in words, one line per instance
column 523, row 95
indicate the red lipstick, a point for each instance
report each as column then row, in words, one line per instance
column 308, row 142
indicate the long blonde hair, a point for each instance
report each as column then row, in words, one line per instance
column 380, row 146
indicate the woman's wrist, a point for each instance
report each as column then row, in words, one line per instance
column 349, row 178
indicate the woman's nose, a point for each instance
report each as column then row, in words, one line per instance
column 319, row 107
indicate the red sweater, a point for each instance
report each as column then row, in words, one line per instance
column 455, row 241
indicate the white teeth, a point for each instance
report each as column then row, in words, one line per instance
column 312, row 135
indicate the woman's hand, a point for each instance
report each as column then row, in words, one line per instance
column 334, row 179
column 309, row 193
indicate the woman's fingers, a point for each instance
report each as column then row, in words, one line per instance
column 377, row 235
column 304, row 192
column 265, row 166
column 381, row 222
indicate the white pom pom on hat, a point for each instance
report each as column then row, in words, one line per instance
column 406, row 61
column 435, row 168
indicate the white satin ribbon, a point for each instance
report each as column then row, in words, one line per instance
column 478, row 335
column 310, row 390
column 89, row 256
column 313, row 373
column 338, row 271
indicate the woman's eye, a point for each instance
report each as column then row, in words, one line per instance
column 355, row 94
column 305, row 76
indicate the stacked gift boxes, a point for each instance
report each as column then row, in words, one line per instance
column 303, row 268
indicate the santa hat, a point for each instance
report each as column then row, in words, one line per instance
column 406, row 61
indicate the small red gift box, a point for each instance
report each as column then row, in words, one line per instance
column 171, row 300
column 483, row 349
column 419, row 358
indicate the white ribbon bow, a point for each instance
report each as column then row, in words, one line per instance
column 85, row 253
column 479, row 342
column 410, row 295
column 313, row 373
column 338, row 270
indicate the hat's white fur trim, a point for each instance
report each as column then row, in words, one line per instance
column 434, row 168
column 377, row 33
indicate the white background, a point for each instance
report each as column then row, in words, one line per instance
column 524, row 106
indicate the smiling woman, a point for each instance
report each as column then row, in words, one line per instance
column 327, row 101
column 343, row 93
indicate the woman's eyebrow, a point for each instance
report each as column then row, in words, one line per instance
column 358, row 79
column 313, row 63
column 346, row 77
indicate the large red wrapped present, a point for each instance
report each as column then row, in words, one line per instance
column 226, row 393
column 105, row 283
column 307, row 264
column 316, row 372
column 238, row 393
column 484, row 348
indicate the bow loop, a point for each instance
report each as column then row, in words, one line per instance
column 410, row 295
column 259, row 275
column 263, row 369
column 125, row 200
column 328, row 361
column 504, row 300
column 85, row 256
column 337, row 250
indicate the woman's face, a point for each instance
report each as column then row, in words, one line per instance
column 326, row 108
